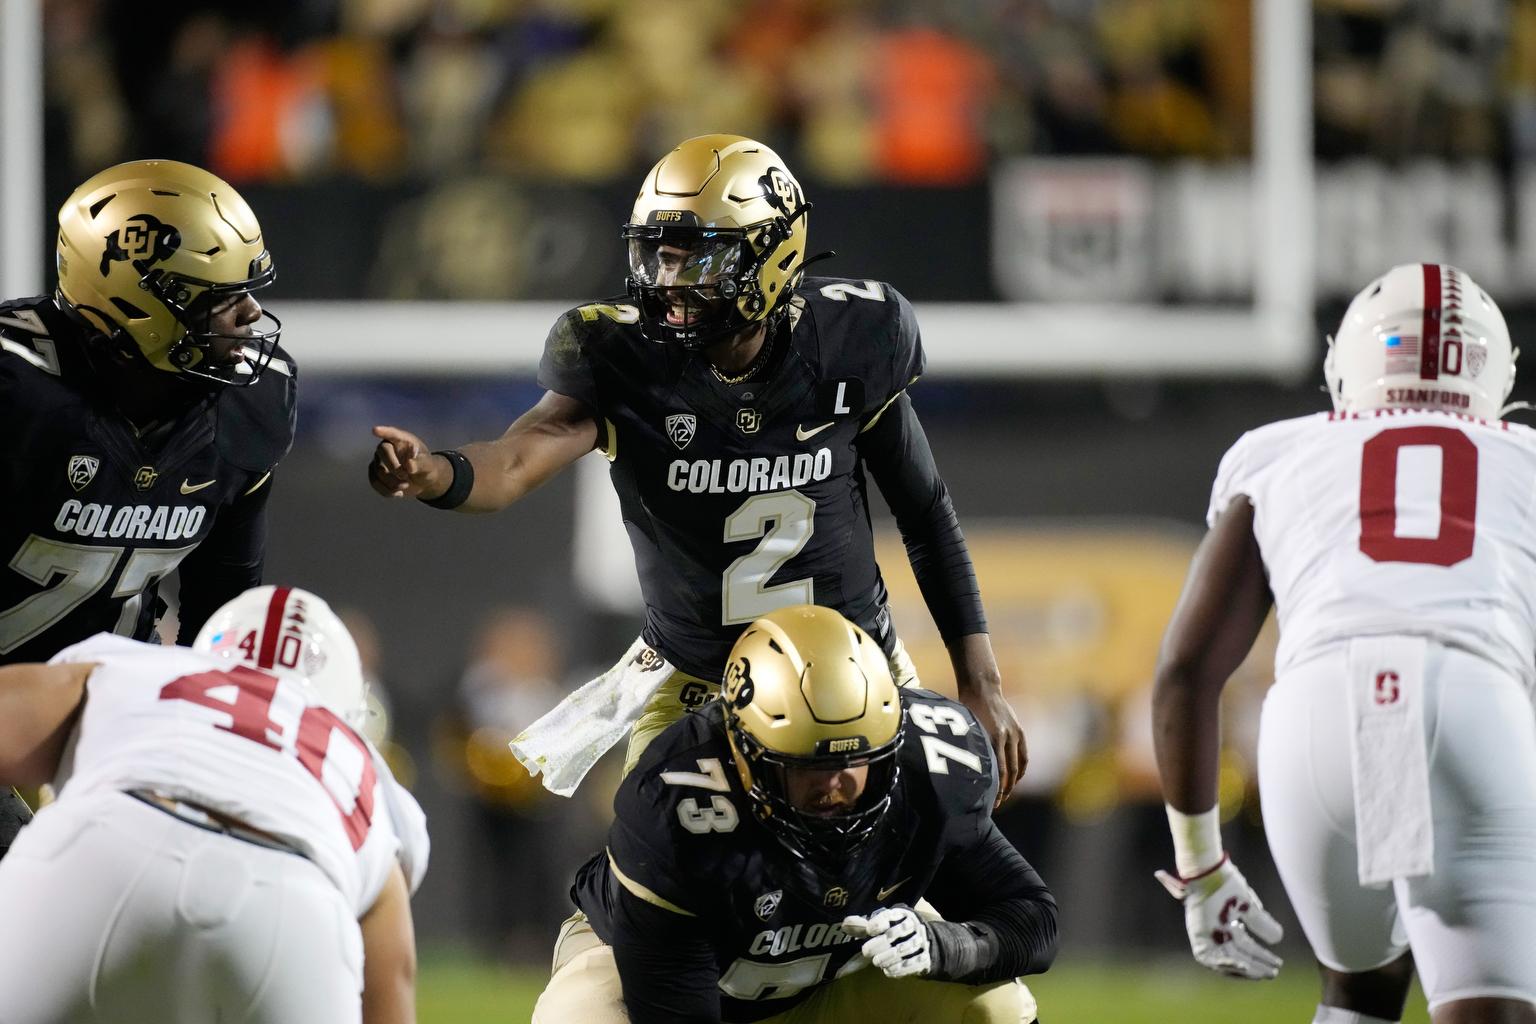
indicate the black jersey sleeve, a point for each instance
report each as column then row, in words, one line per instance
column 896, row 450
column 566, row 366
column 666, row 962
column 256, row 424
column 904, row 362
column 228, row 562
column 1005, row 914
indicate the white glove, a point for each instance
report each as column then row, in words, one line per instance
column 898, row 940
column 1226, row 922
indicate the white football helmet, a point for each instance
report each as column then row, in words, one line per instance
column 291, row 632
column 1422, row 336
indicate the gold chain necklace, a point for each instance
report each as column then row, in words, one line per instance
column 758, row 362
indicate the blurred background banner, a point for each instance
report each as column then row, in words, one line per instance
column 1126, row 226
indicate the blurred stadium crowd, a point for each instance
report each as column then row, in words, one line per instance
column 861, row 91
column 878, row 91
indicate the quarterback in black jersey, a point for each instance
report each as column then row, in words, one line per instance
column 767, row 851
column 742, row 406
column 146, row 403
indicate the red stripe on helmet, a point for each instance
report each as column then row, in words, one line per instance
column 1429, row 345
column 269, row 633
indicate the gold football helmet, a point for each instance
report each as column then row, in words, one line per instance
column 148, row 249
column 805, row 689
column 716, row 240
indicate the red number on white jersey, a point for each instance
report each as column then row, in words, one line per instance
column 348, row 780
column 1458, row 497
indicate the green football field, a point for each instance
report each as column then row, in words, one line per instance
column 458, row 990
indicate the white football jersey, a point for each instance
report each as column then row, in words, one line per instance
column 249, row 744
column 1394, row 521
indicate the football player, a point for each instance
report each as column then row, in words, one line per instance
column 742, row 407
column 1397, row 750
column 226, row 845
column 767, row 852
column 147, row 403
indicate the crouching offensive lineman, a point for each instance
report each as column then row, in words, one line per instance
column 767, row 852
column 225, row 845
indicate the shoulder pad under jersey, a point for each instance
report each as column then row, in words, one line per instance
column 595, row 333
column 946, row 752
column 865, row 330
column 256, row 423
column 677, row 812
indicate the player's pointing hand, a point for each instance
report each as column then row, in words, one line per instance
column 403, row 466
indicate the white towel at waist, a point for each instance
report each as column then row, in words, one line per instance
column 1388, row 750
column 565, row 743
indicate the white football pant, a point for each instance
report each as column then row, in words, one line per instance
column 1470, row 922
column 114, row 911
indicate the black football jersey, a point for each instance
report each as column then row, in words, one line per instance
column 685, row 832
column 95, row 518
column 741, row 499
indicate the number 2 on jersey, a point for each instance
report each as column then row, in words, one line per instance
column 784, row 520
column 344, row 770
column 1379, row 538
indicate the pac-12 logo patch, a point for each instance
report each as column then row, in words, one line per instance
column 680, row 428
column 82, row 470
column 767, row 904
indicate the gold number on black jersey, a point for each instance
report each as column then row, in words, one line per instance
column 785, row 521
column 928, row 718
column 84, row 569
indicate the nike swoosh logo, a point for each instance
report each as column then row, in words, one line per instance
column 188, row 487
column 801, row 434
column 883, row 893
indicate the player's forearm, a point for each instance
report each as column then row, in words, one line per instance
column 1186, row 731
column 1008, row 939
column 542, row 442
column 974, row 663
column 901, row 462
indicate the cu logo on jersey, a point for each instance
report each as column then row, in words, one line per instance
column 142, row 240
column 748, row 420
column 145, row 478
column 1387, row 690
column 82, row 470
column 680, row 428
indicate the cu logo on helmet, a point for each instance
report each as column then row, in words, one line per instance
column 143, row 238
column 738, row 682
column 781, row 191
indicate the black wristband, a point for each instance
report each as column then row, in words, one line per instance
column 463, row 481
column 961, row 952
